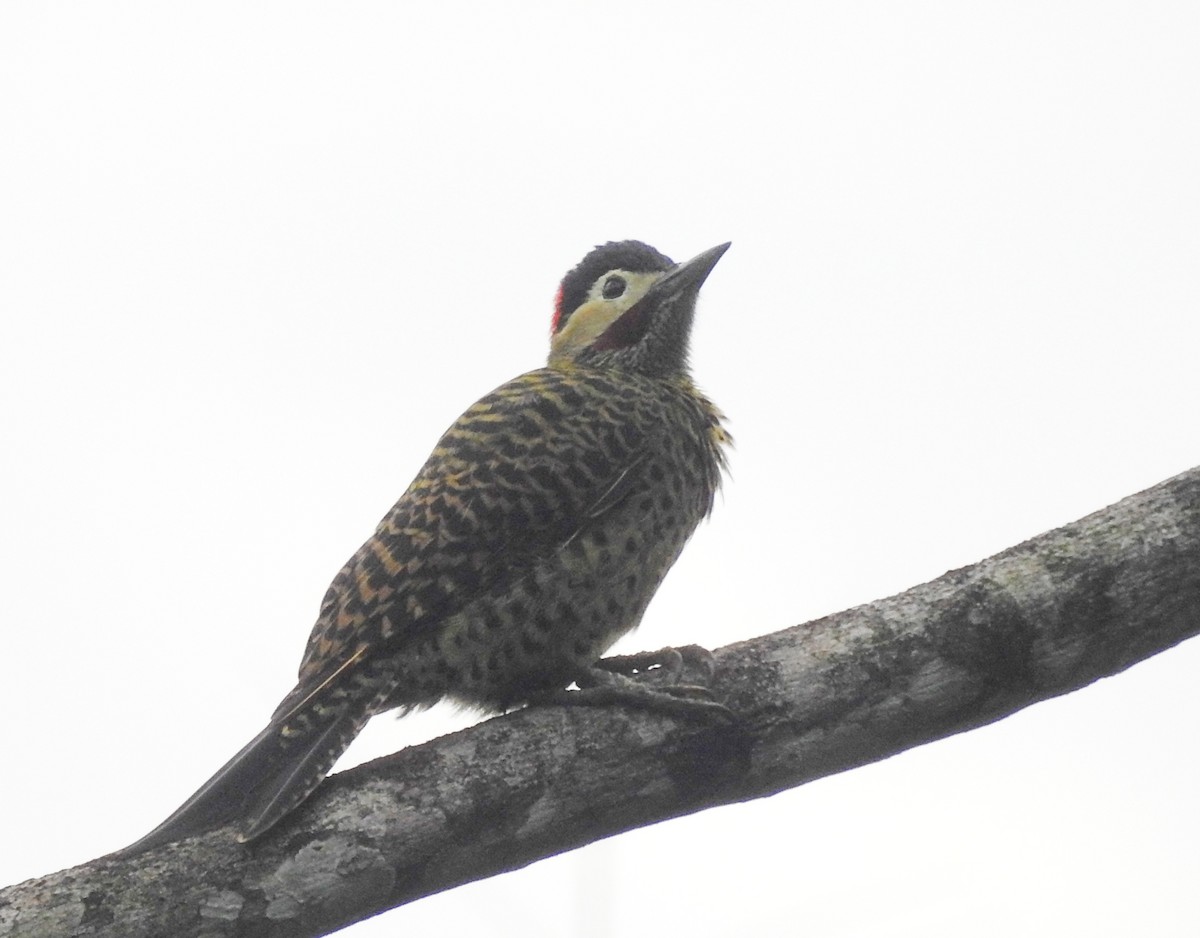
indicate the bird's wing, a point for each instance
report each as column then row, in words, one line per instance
column 515, row 479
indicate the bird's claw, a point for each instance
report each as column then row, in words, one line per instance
column 650, row 681
column 667, row 665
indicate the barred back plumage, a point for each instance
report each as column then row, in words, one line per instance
column 536, row 534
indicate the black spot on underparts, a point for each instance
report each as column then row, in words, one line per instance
column 378, row 578
column 571, row 398
column 528, row 427
column 544, row 476
column 510, row 473
column 547, row 408
column 454, row 522
column 597, row 464
column 578, row 479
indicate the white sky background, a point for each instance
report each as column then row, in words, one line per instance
column 255, row 257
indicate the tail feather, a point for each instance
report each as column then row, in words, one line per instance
column 272, row 774
column 301, row 775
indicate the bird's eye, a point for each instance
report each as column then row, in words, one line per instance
column 613, row 287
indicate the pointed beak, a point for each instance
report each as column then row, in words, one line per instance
column 688, row 276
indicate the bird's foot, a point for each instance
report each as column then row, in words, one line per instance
column 672, row 681
column 667, row 667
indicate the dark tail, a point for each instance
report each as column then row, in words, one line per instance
column 272, row 774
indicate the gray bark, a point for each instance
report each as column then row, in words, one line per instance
column 1040, row 619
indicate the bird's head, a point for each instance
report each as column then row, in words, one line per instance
column 627, row 306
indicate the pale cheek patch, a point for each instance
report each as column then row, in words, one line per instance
column 587, row 323
column 582, row 329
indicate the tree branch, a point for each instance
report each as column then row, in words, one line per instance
column 1040, row 619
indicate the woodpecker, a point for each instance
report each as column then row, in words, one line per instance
column 532, row 539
